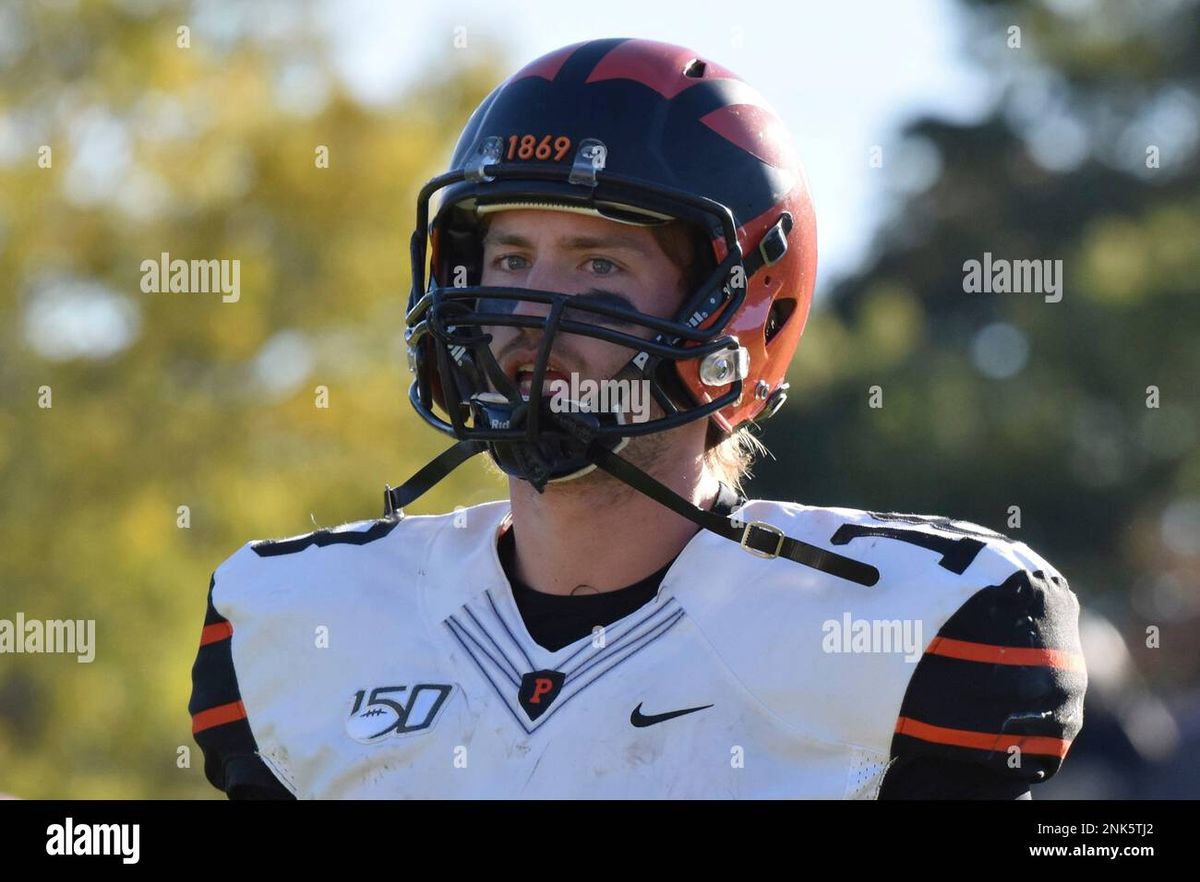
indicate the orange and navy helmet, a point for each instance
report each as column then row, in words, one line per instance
column 634, row 131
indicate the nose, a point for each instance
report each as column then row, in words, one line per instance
column 544, row 276
column 531, row 307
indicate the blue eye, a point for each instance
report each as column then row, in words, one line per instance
column 604, row 260
column 499, row 262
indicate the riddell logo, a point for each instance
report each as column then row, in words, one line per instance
column 538, row 691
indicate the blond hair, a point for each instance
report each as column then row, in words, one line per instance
column 731, row 457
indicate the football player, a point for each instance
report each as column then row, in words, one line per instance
column 605, row 299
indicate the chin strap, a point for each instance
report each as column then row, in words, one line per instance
column 757, row 537
column 395, row 498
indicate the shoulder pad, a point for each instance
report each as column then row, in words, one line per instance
column 837, row 660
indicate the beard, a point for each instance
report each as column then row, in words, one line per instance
column 653, row 454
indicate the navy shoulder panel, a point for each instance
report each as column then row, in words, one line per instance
column 219, row 725
column 1002, row 684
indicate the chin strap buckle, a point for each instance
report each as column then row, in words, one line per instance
column 765, row 528
column 390, row 508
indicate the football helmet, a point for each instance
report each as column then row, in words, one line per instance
column 634, row 131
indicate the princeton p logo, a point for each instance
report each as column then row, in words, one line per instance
column 538, row 691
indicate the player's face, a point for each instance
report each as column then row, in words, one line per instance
column 588, row 257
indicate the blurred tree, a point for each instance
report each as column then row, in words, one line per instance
column 1088, row 156
column 205, row 151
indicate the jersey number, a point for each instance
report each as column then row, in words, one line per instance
column 957, row 550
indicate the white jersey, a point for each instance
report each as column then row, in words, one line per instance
column 387, row 659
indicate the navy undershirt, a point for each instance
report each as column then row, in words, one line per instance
column 558, row 620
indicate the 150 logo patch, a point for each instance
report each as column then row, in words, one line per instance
column 395, row 710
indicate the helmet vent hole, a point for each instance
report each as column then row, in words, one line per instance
column 781, row 310
column 694, row 69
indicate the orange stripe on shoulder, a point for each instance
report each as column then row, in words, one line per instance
column 1036, row 744
column 218, row 716
column 1006, row 655
column 214, row 633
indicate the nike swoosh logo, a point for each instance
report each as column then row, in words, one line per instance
column 641, row 720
